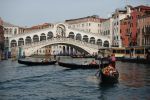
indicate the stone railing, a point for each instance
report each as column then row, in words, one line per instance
column 30, row 32
column 60, row 40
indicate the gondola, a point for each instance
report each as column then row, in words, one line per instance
column 109, row 78
column 80, row 66
column 32, row 63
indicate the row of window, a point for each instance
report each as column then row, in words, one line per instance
column 83, row 25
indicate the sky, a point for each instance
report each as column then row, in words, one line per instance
column 34, row 12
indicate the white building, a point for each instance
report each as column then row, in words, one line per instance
column 87, row 24
column 106, row 29
column 118, row 15
column 10, row 30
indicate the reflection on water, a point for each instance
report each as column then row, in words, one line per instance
column 21, row 82
column 134, row 75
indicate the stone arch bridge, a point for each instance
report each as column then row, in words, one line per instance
column 59, row 34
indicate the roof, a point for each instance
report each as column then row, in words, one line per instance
column 94, row 16
column 7, row 24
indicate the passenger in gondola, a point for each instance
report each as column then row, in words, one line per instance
column 93, row 62
column 85, row 63
column 113, row 60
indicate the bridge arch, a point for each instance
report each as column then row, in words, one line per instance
column 87, row 47
column 106, row 43
column 78, row 36
column 85, row 38
column 13, row 43
column 50, row 35
column 28, row 40
column 42, row 37
column 92, row 40
column 71, row 35
column 35, row 38
column 99, row 42
column 60, row 30
column 20, row 42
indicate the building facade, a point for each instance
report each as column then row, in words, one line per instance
column 9, row 31
column 124, row 30
column 90, row 24
column 118, row 15
column 143, row 36
column 135, row 14
column 128, row 26
column 106, row 29
column 1, row 39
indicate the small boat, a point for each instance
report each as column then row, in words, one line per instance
column 105, row 76
column 80, row 66
column 32, row 63
column 109, row 78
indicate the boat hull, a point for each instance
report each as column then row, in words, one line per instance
column 108, row 78
column 77, row 66
column 30, row 63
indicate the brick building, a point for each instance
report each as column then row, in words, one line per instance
column 124, row 30
column 1, row 38
column 135, row 14
column 129, row 30
column 143, row 36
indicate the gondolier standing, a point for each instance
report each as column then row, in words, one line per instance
column 113, row 60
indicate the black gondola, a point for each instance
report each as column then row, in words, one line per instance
column 32, row 63
column 80, row 66
column 109, row 78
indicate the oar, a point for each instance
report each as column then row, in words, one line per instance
column 99, row 68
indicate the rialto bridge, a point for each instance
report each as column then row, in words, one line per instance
column 59, row 34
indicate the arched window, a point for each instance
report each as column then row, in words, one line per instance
column 13, row 43
column 106, row 43
column 78, row 37
column 42, row 37
column 28, row 40
column 49, row 35
column 71, row 35
column 20, row 41
column 92, row 40
column 35, row 38
column 85, row 38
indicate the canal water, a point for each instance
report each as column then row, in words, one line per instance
column 53, row 82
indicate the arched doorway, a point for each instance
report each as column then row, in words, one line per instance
column 71, row 35
column 106, row 43
column 99, row 42
column 35, row 38
column 85, row 38
column 92, row 40
column 61, row 31
column 28, row 40
column 78, row 37
column 13, row 43
column 49, row 35
column 20, row 42
column 42, row 37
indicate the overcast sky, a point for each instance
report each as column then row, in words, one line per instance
column 32, row 12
